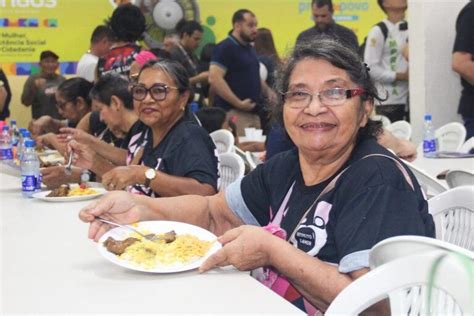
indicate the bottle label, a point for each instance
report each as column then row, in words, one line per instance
column 28, row 183
column 6, row 154
column 39, row 180
column 429, row 145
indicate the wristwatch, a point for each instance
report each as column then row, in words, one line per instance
column 150, row 174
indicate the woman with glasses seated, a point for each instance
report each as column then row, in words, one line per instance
column 309, row 216
column 168, row 153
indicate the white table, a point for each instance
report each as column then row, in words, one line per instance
column 434, row 166
column 49, row 266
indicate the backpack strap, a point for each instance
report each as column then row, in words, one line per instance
column 383, row 27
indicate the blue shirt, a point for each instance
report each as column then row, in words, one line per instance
column 242, row 71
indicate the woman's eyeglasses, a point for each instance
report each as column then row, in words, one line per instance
column 158, row 91
column 301, row 99
column 62, row 105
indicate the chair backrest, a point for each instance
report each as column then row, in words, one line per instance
column 231, row 168
column 467, row 146
column 457, row 178
column 451, row 283
column 378, row 117
column 450, row 136
column 224, row 140
column 400, row 129
column 453, row 214
column 401, row 246
column 250, row 160
column 429, row 184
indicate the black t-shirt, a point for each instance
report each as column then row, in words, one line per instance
column 464, row 42
column 6, row 108
column 118, row 60
column 364, row 207
column 186, row 151
column 100, row 130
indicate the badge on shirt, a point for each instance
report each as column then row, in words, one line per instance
column 373, row 41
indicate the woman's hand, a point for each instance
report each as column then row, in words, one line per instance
column 84, row 155
column 68, row 133
column 406, row 150
column 40, row 126
column 117, row 206
column 44, row 140
column 121, row 177
column 245, row 247
column 54, row 176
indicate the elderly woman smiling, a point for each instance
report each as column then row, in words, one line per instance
column 169, row 154
column 322, row 205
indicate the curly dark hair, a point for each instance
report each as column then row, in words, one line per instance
column 340, row 56
column 127, row 23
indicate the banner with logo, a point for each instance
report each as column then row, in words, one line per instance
column 28, row 27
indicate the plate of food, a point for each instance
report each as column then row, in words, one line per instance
column 177, row 247
column 70, row 193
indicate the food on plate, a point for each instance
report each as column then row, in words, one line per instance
column 65, row 190
column 62, row 191
column 168, row 249
column 118, row 246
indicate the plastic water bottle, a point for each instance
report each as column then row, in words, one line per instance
column 30, row 170
column 14, row 133
column 25, row 134
column 6, row 152
column 429, row 139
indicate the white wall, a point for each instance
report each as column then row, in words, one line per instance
column 434, row 87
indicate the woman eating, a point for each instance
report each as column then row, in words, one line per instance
column 168, row 154
column 308, row 216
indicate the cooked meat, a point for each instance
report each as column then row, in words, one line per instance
column 118, row 246
column 63, row 190
column 169, row 236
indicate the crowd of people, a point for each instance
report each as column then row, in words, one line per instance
column 332, row 181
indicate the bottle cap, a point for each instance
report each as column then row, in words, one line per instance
column 6, row 128
column 27, row 134
column 30, row 143
column 13, row 122
column 428, row 117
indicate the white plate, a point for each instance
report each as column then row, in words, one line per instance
column 43, row 196
column 159, row 227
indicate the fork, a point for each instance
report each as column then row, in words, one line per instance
column 68, row 169
column 150, row 237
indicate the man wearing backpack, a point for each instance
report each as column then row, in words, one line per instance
column 383, row 54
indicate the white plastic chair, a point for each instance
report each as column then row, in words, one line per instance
column 231, row 168
column 224, row 140
column 467, row 146
column 450, row 136
column 453, row 214
column 430, row 185
column 400, row 129
column 457, row 178
column 385, row 120
column 401, row 269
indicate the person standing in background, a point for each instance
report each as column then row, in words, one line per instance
column 234, row 72
column 383, row 55
column 127, row 24
column 5, row 96
column 325, row 25
column 463, row 64
column 40, row 89
column 101, row 40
